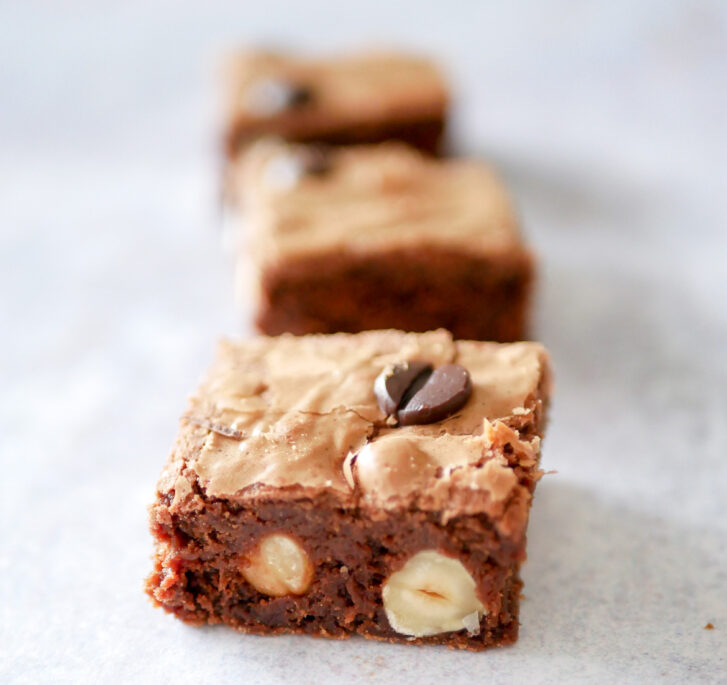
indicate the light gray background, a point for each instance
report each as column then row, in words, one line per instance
column 608, row 121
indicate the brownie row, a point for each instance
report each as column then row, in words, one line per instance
column 307, row 492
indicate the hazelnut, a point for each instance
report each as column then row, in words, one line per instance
column 278, row 566
column 432, row 594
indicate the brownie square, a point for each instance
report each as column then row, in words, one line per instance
column 373, row 237
column 339, row 100
column 293, row 502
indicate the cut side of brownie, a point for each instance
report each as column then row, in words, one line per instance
column 376, row 237
column 293, row 503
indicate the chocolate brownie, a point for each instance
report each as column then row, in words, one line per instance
column 371, row 237
column 363, row 98
column 376, row 484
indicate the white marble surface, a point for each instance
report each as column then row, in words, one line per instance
column 608, row 120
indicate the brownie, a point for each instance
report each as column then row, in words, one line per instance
column 376, row 484
column 339, row 100
column 371, row 237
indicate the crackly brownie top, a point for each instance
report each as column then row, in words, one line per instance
column 308, row 200
column 300, row 415
column 292, row 95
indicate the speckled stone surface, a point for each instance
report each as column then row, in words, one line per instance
column 607, row 121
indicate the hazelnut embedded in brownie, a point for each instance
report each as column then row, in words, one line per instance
column 343, row 99
column 381, row 236
column 376, row 484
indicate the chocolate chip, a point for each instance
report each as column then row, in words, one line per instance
column 445, row 391
column 393, row 382
column 299, row 95
column 413, row 392
column 273, row 96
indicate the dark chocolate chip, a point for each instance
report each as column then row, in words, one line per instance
column 445, row 391
column 393, row 382
column 299, row 94
column 273, row 96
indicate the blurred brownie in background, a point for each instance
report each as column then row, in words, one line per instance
column 339, row 100
column 382, row 236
